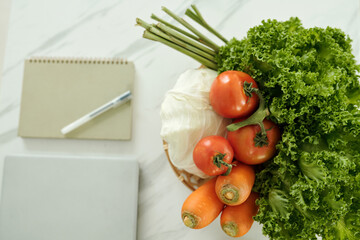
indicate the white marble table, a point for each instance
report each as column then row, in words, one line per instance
column 106, row 28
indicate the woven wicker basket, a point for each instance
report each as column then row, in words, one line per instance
column 188, row 179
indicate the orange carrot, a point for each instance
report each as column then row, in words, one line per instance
column 202, row 206
column 235, row 188
column 236, row 221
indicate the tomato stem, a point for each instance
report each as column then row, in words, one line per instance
column 218, row 160
column 248, row 89
column 261, row 138
column 256, row 118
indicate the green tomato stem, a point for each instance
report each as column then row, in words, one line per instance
column 256, row 118
column 248, row 89
column 261, row 138
column 218, row 160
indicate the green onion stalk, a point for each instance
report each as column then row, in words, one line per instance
column 192, row 42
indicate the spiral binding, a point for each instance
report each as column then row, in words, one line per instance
column 77, row 60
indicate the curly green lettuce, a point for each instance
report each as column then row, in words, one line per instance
column 309, row 78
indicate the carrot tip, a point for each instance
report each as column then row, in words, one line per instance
column 229, row 194
column 189, row 220
column 230, row 228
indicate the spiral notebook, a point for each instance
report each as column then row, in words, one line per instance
column 58, row 91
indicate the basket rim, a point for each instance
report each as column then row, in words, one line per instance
column 181, row 172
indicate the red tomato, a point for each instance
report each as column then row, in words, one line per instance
column 227, row 95
column 242, row 141
column 209, row 153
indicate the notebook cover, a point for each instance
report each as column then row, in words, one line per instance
column 57, row 92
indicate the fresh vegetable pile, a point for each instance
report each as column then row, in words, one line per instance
column 308, row 85
column 250, row 138
column 309, row 80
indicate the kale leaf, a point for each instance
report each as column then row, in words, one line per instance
column 309, row 78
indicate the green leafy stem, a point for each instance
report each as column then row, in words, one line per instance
column 218, row 160
column 192, row 42
column 256, row 118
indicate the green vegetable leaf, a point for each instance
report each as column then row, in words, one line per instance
column 309, row 79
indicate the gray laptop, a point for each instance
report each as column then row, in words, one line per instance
column 69, row 198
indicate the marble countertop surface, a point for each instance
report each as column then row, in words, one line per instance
column 92, row 28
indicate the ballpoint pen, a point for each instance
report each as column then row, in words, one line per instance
column 100, row 110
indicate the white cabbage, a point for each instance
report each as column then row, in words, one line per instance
column 187, row 117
